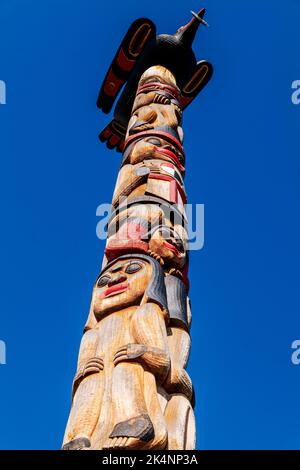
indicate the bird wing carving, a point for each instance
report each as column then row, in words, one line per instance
column 132, row 46
column 201, row 76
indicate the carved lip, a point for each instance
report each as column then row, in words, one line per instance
column 167, row 152
column 172, row 155
column 172, row 248
column 116, row 289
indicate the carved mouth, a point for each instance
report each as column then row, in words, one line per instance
column 167, row 152
column 114, row 290
column 172, row 248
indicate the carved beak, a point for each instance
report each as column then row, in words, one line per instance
column 187, row 33
column 200, row 18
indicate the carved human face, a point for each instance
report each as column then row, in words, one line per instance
column 157, row 85
column 155, row 115
column 153, row 147
column 144, row 227
column 156, row 104
column 121, row 286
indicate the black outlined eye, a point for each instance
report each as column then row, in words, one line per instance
column 133, row 268
column 103, row 281
column 154, row 141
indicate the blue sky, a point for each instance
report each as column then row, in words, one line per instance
column 242, row 146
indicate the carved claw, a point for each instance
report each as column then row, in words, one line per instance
column 157, row 257
column 129, row 352
column 175, row 272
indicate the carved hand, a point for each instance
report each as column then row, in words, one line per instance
column 129, row 352
column 93, row 365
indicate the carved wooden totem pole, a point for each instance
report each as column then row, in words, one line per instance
column 131, row 389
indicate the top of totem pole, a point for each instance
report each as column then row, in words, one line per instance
column 185, row 35
column 140, row 49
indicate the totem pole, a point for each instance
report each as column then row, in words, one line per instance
column 131, row 389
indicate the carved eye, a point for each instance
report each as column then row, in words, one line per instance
column 133, row 268
column 154, row 141
column 103, row 281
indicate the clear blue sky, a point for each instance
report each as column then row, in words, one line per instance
column 242, row 145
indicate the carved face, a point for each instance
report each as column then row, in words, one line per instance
column 169, row 245
column 153, row 147
column 156, row 105
column 127, row 232
column 154, row 115
column 145, row 229
column 121, row 286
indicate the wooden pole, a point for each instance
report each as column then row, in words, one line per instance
column 131, row 389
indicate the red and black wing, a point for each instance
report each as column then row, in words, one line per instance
column 136, row 39
column 196, row 83
column 114, row 135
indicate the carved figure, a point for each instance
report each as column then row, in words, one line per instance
column 131, row 389
column 125, row 339
column 139, row 50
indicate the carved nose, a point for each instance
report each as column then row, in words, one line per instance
column 136, row 127
column 117, row 280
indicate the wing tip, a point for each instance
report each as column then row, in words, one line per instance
column 113, row 136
